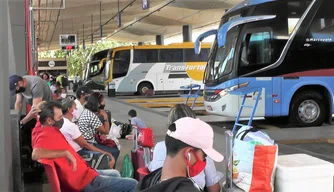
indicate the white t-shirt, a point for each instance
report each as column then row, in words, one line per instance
column 209, row 177
column 78, row 112
column 71, row 132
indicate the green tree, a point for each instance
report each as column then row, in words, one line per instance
column 78, row 58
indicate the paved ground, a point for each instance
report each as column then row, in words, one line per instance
column 314, row 141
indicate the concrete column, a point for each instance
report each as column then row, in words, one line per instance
column 16, row 40
column 6, row 173
column 160, row 40
column 187, row 33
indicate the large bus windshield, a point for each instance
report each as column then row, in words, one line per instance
column 251, row 45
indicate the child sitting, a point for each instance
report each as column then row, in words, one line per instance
column 135, row 121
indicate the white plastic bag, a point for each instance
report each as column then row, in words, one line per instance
column 115, row 130
column 254, row 160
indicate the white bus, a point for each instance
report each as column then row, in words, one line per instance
column 136, row 69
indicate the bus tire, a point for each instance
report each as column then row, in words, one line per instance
column 308, row 109
column 143, row 87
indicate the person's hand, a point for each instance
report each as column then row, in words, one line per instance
column 34, row 111
column 103, row 137
column 112, row 160
column 71, row 160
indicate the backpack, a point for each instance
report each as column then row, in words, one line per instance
column 64, row 81
column 97, row 161
column 125, row 129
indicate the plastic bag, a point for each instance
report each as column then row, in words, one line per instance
column 146, row 138
column 254, row 160
column 115, row 130
column 127, row 167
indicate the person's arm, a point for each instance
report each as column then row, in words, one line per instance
column 84, row 144
column 39, row 153
column 31, row 113
column 99, row 126
column 214, row 188
column 37, row 95
column 212, row 176
column 106, row 121
column 18, row 102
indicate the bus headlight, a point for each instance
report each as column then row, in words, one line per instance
column 217, row 94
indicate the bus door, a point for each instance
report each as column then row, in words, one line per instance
column 255, row 54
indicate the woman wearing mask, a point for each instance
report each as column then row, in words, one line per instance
column 207, row 179
column 89, row 122
column 60, row 94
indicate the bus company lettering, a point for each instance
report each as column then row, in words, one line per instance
column 195, row 70
column 172, row 68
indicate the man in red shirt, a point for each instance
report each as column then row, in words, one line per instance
column 73, row 172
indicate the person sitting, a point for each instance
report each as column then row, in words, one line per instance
column 73, row 172
column 89, row 123
column 188, row 142
column 136, row 121
column 82, row 95
column 60, row 94
column 73, row 135
column 210, row 177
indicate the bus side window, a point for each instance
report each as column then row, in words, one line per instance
column 256, row 49
column 321, row 31
column 190, row 56
column 145, row 56
column 171, row 55
column 121, row 63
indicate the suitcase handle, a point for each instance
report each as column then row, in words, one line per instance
column 135, row 138
column 229, row 161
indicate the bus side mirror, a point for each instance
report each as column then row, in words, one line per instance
column 201, row 38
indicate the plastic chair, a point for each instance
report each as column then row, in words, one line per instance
column 51, row 173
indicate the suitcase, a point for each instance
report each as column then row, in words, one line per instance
column 140, row 156
column 228, row 185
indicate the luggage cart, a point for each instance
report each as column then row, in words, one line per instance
column 244, row 92
column 191, row 88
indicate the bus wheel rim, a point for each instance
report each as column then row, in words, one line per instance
column 309, row 111
column 144, row 89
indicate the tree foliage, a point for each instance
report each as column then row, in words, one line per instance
column 78, row 58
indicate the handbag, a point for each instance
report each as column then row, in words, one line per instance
column 103, row 140
column 146, row 137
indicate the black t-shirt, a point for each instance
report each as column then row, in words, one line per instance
column 152, row 183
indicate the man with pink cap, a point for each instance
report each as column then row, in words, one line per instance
column 188, row 142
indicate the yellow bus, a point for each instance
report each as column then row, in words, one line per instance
column 136, row 69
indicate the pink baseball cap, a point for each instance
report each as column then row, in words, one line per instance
column 198, row 134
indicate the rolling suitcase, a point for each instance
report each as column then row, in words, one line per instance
column 140, row 156
column 228, row 185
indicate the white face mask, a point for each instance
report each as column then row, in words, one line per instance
column 63, row 95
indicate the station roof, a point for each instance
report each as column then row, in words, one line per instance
column 164, row 17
